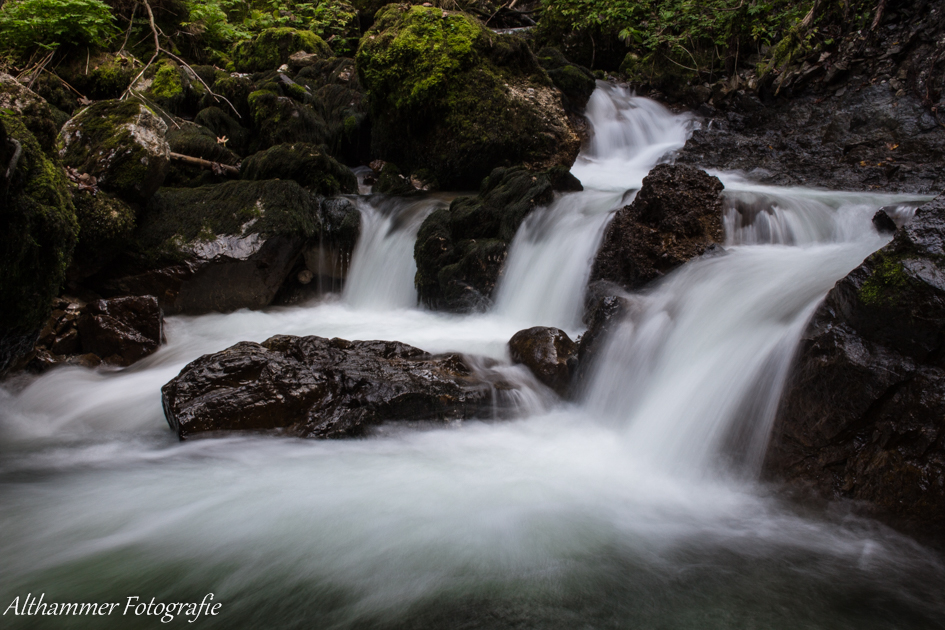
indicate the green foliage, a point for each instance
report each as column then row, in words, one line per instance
column 27, row 25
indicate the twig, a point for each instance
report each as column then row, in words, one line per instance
column 17, row 152
column 216, row 167
column 158, row 50
column 879, row 14
column 131, row 24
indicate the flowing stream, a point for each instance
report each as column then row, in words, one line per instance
column 637, row 506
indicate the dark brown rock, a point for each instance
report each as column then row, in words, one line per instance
column 321, row 388
column 863, row 415
column 883, row 222
column 605, row 306
column 121, row 330
column 676, row 216
column 549, row 353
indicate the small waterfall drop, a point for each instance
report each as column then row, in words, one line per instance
column 551, row 255
column 382, row 265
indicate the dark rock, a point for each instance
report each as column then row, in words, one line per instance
column 337, row 93
column 883, row 223
column 460, row 251
column 577, row 83
column 449, row 96
column 218, row 248
column 676, row 216
column 34, row 112
column 605, row 306
column 321, row 388
column 862, row 414
column 121, row 330
column 549, row 353
column 306, row 164
column 37, row 235
column 224, row 126
column 280, row 119
column 120, row 143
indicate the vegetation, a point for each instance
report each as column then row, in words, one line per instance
column 28, row 25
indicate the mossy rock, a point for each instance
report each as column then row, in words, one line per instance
column 448, row 95
column 31, row 110
column 337, row 23
column 272, row 48
column 52, row 89
column 577, row 83
column 177, row 218
column 335, row 87
column 236, row 90
column 222, row 125
column 106, row 224
column 38, row 231
column 191, row 139
column 103, row 76
column 304, row 163
column 279, row 119
column 173, row 88
column 391, row 181
column 459, row 251
column 122, row 143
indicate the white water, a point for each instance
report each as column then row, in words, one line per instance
column 619, row 511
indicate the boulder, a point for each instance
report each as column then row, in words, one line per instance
column 174, row 88
column 273, row 47
column 576, row 83
column 122, row 144
column 106, row 225
column 450, row 96
column 121, row 330
column 31, row 109
column 278, row 118
column 549, row 353
column 304, row 163
column 222, row 125
column 460, row 251
column 100, row 76
column 220, row 247
column 606, row 305
column 863, row 413
column 676, row 216
column 37, row 235
column 321, row 388
column 337, row 91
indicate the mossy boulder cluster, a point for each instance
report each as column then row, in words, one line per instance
column 460, row 250
column 452, row 97
column 273, row 47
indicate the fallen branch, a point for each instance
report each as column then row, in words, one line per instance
column 216, row 167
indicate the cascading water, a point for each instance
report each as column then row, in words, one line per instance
column 608, row 512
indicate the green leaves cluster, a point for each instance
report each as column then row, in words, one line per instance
column 26, row 25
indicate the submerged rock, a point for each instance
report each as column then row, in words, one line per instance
column 676, row 216
column 120, row 143
column 449, row 96
column 863, row 414
column 549, row 353
column 320, row 388
column 460, row 251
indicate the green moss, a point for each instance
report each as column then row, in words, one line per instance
column 31, row 110
column 38, row 231
column 176, row 217
column 272, row 48
column 278, row 119
column 106, row 225
column 304, row 163
column 887, row 281
column 99, row 141
column 167, row 82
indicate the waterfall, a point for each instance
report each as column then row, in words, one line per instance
column 551, row 255
column 383, row 267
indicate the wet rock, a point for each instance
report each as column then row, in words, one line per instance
column 883, row 222
column 862, row 414
column 676, row 216
column 38, row 235
column 460, row 251
column 120, row 143
column 320, row 388
column 576, row 83
column 218, row 248
column 605, row 306
column 449, row 96
column 120, row 330
column 306, row 164
column 549, row 353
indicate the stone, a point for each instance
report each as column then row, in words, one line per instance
column 675, row 217
column 274, row 47
column 121, row 330
column 460, row 251
column 863, row 413
column 120, row 143
column 32, row 110
column 304, row 163
column 449, row 96
column 549, row 353
column 321, row 388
